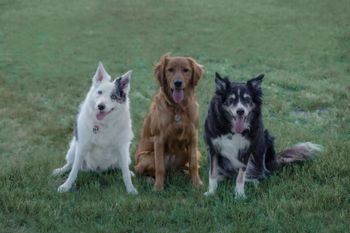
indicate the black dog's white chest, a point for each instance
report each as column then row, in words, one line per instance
column 230, row 145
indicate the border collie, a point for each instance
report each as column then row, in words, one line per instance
column 237, row 142
column 103, row 131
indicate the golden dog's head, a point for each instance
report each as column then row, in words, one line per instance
column 178, row 76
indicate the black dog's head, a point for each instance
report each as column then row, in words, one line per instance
column 240, row 100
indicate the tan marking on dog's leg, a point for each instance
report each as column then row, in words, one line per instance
column 240, row 180
column 213, row 177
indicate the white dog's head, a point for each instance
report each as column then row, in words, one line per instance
column 107, row 95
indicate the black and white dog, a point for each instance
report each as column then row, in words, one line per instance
column 238, row 144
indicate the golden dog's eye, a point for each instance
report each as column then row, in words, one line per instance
column 185, row 70
column 171, row 70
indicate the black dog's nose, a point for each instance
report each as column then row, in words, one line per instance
column 240, row 112
column 177, row 83
column 101, row 107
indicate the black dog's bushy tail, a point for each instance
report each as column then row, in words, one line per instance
column 298, row 153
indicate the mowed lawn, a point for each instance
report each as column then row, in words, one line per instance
column 49, row 51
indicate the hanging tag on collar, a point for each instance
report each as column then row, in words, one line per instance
column 95, row 129
column 177, row 118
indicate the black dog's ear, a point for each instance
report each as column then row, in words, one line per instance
column 255, row 83
column 220, row 82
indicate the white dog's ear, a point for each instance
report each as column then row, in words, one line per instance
column 101, row 75
column 123, row 83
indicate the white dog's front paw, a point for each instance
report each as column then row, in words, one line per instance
column 132, row 174
column 240, row 194
column 57, row 172
column 132, row 190
column 63, row 188
column 209, row 193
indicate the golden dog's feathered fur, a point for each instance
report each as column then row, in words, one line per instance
column 169, row 139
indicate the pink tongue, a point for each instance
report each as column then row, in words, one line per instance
column 101, row 115
column 239, row 127
column 178, row 95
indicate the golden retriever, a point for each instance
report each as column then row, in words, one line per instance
column 169, row 139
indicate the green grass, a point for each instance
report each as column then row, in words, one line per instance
column 49, row 51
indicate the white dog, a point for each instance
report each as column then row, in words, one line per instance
column 103, row 131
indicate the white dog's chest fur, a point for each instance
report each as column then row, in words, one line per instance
column 108, row 144
column 100, row 159
column 229, row 146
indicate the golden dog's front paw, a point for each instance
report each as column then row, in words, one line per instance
column 197, row 182
column 158, row 187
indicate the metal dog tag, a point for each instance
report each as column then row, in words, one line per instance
column 177, row 118
column 95, row 129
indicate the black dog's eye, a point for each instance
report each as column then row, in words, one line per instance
column 171, row 70
column 185, row 70
column 231, row 100
column 99, row 92
column 247, row 99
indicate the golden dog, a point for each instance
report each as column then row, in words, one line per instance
column 169, row 139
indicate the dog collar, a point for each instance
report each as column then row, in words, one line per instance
column 176, row 107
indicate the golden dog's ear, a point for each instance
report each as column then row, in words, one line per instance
column 197, row 71
column 159, row 69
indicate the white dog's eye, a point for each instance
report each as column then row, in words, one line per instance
column 114, row 97
column 99, row 92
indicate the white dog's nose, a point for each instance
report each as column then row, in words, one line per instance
column 101, row 107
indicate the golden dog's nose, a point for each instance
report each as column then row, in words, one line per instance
column 177, row 83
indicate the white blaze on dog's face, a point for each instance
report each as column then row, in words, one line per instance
column 237, row 101
column 239, row 104
column 107, row 95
